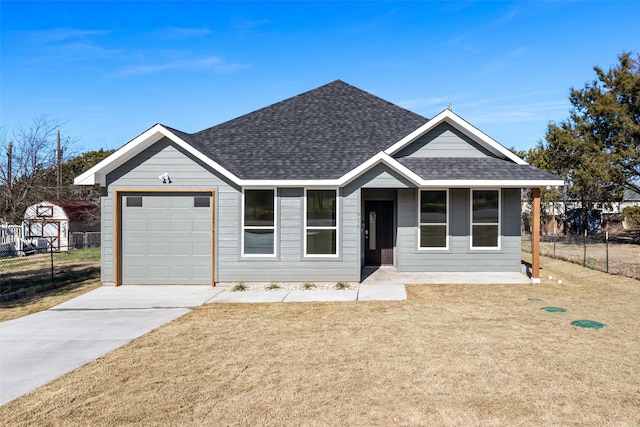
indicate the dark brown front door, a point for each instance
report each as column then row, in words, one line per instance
column 378, row 232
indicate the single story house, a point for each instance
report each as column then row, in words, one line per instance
column 55, row 220
column 312, row 188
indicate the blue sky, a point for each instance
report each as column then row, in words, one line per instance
column 110, row 70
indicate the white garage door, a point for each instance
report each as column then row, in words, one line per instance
column 166, row 238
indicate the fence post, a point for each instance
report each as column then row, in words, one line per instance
column 584, row 244
column 52, row 274
column 606, row 246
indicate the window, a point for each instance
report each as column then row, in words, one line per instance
column 134, row 201
column 485, row 219
column 44, row 211
column 201, row 202
column 433, row 219
column 321, row 224
column 258, row 234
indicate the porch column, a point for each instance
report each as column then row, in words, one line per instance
column 535, row 237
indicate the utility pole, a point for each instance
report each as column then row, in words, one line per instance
column 59, row 167
column 9, row 177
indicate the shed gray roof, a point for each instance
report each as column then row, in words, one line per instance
column 320, row 134
column 467, row 168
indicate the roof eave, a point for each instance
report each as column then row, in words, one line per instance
column 98, row 173
column 462, row 125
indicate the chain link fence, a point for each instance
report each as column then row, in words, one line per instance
column 38, row 265
column 611, row 255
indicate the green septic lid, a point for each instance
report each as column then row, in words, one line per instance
column 589, row 324
column 535, row 299
column 554, row 309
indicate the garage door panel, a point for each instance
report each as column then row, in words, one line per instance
column 135, row 224
column 160, row 225
column 180, row 225
column 201, row 273
column 203, row 249
column 157, row 272
column 202, row 225
column 181, row 202
column 166, row 241
column 155, row 250
column 180, row 249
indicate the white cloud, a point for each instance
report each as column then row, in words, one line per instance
column 208, row 63
column 183, row 33
column 56, row 35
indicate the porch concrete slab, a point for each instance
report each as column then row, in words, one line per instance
column 322, row 295
column 142, row 296
column 249, row 296
column 382, row 292
column 389, row 275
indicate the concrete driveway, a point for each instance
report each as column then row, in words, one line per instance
column 39, row 348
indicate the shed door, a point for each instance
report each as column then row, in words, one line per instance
column 166, row 238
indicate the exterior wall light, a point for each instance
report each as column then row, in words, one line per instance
column 165, row 178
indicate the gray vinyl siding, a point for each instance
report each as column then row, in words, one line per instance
column 380, row 176
column 458, row 257
column 186, row 173
column 290, row 264
column 443, row 141
column 107, row 265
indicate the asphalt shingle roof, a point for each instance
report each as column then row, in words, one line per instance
column 466, row 168
column 320, row 134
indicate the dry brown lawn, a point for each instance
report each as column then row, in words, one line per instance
column 44, row 300
column 459, row 355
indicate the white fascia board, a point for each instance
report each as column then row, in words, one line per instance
column 116, row 159
column 462, row 125
column 97, row 174
column 385, row 159
column 343, row 180
column 266, row 183
column 504, row 183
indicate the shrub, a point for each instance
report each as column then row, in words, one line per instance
column 239, row 287
column 342, row 285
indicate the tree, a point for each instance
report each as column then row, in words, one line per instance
column 32, row 176
column 608, row 111
column 597, row 149
column 32, row 156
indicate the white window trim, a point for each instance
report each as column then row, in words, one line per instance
column 499, row 224
column 420, row 223
column 336, row 227
column 260, row 227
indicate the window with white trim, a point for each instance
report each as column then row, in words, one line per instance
column 485, row 219
column 434, row 214
column 258, row 223
column 321, row 222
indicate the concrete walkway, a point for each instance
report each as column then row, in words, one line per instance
column 376, row 292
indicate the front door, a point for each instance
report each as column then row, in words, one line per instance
column 378, row 232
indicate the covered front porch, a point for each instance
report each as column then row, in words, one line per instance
column 388, row 275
